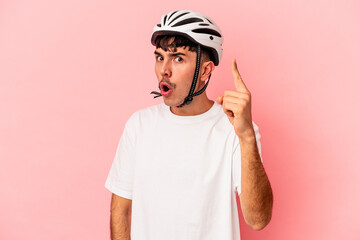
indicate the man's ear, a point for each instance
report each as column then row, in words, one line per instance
column 207, row 68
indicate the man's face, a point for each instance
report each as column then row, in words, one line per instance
column 175, row 71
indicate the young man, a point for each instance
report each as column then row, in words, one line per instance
column 180, row 164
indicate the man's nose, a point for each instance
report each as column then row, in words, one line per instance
column 166, row 69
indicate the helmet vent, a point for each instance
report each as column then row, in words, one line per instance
column 187, row 21
column 207, row 31
column 209, row 21
column 159, row 25
column 178, row 17
column 172, row 14
column 165, row 19
column 204, row 24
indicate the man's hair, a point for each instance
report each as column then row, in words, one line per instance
column 165, row 43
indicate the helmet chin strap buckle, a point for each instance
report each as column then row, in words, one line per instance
column 188, row 100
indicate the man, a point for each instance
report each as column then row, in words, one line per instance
column 180, row 164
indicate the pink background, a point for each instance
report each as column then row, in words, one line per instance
column 72, row 72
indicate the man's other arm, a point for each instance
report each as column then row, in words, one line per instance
column 120, row 219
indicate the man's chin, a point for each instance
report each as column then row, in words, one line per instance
column 172, row 103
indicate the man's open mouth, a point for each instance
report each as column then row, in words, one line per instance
column 165, row 89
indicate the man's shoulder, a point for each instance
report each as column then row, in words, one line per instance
column 147, row 111
column 146, row 114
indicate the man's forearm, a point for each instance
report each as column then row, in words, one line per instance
column 256, row 196
column 120, row 227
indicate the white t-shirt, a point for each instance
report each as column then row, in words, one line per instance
column 182, row 174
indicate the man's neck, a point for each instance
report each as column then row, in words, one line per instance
column 199, row 105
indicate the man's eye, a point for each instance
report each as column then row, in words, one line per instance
column 178, row 59
column 159, row 58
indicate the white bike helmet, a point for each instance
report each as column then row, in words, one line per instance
column 194, row 26
column 199, row 29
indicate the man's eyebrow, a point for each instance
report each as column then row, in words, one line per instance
column 156, row 52
column 177, row 54
column 171, row 53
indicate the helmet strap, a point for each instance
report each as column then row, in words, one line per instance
column 190, row 96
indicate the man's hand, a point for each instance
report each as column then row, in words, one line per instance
column 237, row 105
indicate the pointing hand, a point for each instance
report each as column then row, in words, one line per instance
column 237, row 105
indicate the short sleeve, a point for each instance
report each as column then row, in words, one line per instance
column 120, row 177
column 236, row 159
